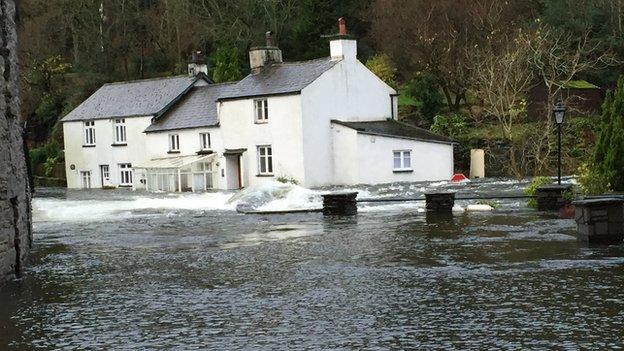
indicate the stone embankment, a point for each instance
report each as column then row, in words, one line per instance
column 15, row 212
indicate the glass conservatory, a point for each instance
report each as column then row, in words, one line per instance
column 182, row 173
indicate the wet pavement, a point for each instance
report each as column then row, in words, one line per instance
column 131, row 271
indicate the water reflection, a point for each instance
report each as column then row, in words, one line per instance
column 194, row 278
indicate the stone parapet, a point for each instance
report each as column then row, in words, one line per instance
column 15, row 214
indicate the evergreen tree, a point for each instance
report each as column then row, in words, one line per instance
column 227, row 67
column 609, row 155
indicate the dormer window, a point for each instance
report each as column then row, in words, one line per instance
column 174, row 143
column 204, row 141
column 89, row 133
column 261, row 110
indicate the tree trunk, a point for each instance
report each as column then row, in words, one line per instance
column 15, row 216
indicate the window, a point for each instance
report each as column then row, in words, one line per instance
column 125, row 174
column 120, row 130
column 89, row 130
column 86, row 179
column 204, row 141
column 265, row 160
column 261, row 111
column 174, row 142
column 402, row 160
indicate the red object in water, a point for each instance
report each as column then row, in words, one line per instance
column 458, row 177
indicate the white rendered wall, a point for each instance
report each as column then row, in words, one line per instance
column 90, row 158
column 346, row 92
column 375, row 163
column 344, row 149
column 283, row 132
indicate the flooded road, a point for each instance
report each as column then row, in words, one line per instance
column 136, row 271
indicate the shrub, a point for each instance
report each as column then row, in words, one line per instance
column 452, row 125
column 287, row 180
column 48, row 166
column 592, row 181
column 426, row 95
column 530, row 190
column 383, row 67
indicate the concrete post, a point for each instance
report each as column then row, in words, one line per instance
column 440, row 202
column 477, row 163
column 340, row 204
column 600, row 220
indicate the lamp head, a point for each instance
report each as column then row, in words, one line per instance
column 559, row 111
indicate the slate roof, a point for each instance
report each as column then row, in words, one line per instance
column 394, row 128
column 280, row 78
column 135, row 98
column 197, row 108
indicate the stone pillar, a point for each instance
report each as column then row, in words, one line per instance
column 600, row 220
column 550, row 197
column 440, row 202
column 15, row 218
column 340, row 204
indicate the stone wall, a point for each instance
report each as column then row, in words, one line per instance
column 15, row 215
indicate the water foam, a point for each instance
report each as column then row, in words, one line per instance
column 55, row 209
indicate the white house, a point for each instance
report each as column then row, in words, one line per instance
column 327, row 121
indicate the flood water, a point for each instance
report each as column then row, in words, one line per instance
column 116, row 270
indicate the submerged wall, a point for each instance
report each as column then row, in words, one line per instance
column 15, row 217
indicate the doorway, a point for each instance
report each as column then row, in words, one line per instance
column 105, row 175
column 233, row 172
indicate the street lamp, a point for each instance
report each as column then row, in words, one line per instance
column 559, row 111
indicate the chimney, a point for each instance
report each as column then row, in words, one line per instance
column 342, row 46
column 262, row 56
column 197, row 64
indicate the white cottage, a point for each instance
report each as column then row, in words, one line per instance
column 328, row 121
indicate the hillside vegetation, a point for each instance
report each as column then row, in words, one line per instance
column 463, row 67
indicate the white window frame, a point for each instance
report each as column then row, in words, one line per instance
column 204, row 141
column 174, row 142
column 265, row 158
column 119, row 130
column 261, row 110
column 85, row 179
column 403, row 156
column 89, row 132
column 125, row 174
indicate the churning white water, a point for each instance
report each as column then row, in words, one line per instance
column 88, row 205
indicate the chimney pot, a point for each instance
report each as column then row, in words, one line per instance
column 342, row 26
column 269, row 38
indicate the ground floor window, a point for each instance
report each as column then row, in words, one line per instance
column 125, row 170
column 197, row 177
column 265, row 160
column 402, row 160
column 85, row 177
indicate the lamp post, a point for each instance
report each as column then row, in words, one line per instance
column 559, row 111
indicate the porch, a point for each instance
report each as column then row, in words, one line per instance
column 181, row 173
